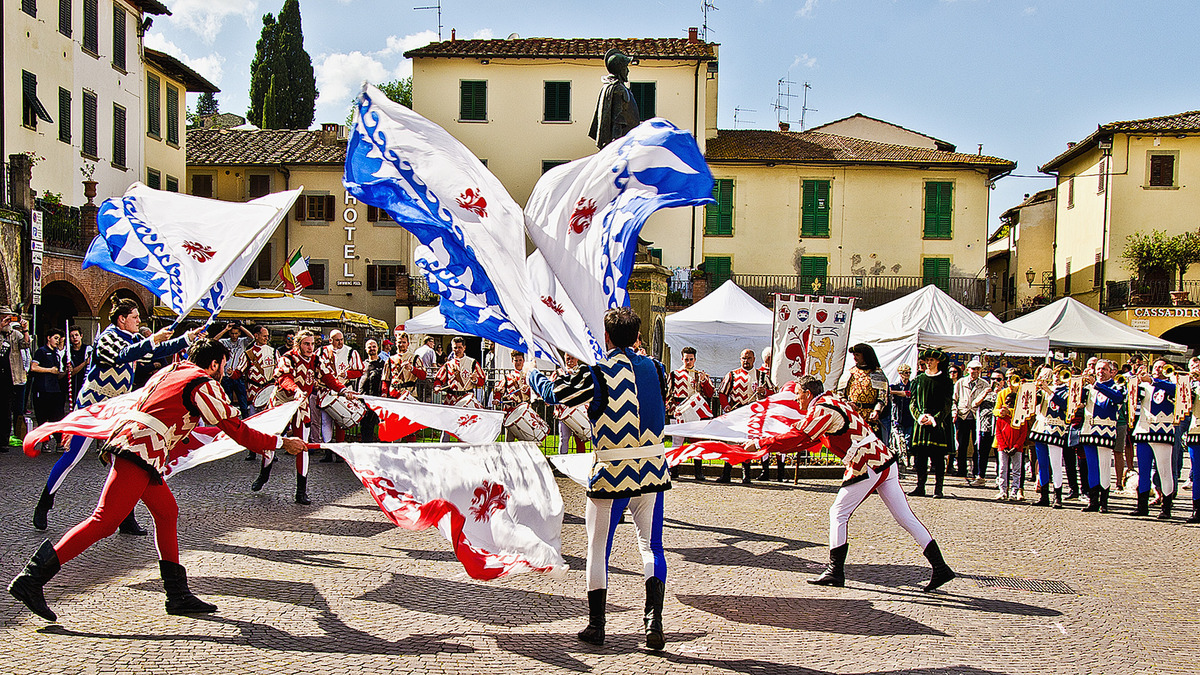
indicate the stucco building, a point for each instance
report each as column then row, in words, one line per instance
column 1021, row 257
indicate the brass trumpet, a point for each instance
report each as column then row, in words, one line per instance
column 1168, row 370
column 1064, row 375
column 1014, row 380
column 1122, row 380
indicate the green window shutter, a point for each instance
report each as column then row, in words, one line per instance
column 718, row 217
column 118, row 58
column 172, row 115
column 558, row 102
column 813, row 273
column 172, row 184
column 64, row 17
column 719, row 269
column 939, row 205
column 153, row 179
column 91, row 20
column 937, row 272
column 644, row 94
column 815, row 209
column 473, row 101
column 64, row 115
column 90, row 147
column 119, row 156
column 153, row 106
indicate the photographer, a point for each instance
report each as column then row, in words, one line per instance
column 14, row 337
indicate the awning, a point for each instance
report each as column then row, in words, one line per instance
column 268, row 306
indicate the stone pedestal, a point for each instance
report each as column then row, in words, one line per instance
column 648, row 297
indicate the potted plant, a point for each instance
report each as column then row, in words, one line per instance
column 89, row 185
column 1151, row 257
column 1185, row 250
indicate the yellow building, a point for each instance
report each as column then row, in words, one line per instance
column 524, row 105
column 1021, row 257
column 835, row 213
column 1128, row 177
column 359, row 259
column 167, row 81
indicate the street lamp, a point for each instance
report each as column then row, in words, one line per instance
column 1030, row 275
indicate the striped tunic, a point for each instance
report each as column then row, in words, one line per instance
column 115, row 358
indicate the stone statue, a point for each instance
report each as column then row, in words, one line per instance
column 616, row 111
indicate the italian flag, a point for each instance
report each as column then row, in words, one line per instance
column 295, row 273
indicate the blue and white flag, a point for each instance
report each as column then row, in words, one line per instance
column 189, row 251
column 471, row 231
column 585, row 216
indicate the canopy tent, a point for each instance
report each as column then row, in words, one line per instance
column 930, row 318
column 268, row 306
column 720, row 326
column 430, row 322
column 1070, row 324
column 992, row 318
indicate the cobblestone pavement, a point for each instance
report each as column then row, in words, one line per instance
column 334, row 588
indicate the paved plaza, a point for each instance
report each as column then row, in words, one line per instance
column 335, row 588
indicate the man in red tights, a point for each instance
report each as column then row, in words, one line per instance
column 172, row 403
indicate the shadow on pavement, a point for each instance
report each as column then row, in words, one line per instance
column 823, row 615
column 739, row 557
column 944, row 598
column 556, row 649
column 311, row 558
column 334, row 527
column 756, row 667
column 735, row 535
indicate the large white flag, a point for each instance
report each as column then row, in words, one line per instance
column 810, row 336
column 585, row 216
column 213, row 444
column 496, row 504
column 398, row 419
column 189, row 251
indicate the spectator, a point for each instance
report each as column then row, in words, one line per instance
column 429, row 363
column 81, row 358
column 955, row 373
column 237, row 340
column 966, row 391
column 901, row 407
column 1010, row 442
column 49, row 397
column 14, row 339
column 371, row 384
column 985, row 426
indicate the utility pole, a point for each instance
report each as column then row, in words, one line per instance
column 438, row 7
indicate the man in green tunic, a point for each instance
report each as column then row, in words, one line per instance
column 932, row 396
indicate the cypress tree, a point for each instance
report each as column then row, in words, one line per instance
column 207, row 104
column 283, row 69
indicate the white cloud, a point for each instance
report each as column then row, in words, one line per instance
column 205, row 17
column 807, row 9
column 398, row 45
column 1029, row 11
column 804, row 60
column 340, row 75
column 484, row 34
column 212, row 67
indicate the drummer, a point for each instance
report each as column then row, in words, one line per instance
column 686, row 383
column 460, row 375
column 570, row 365
column 260, row 361
column 512, row 389
column 347, row 366
column 404, row 369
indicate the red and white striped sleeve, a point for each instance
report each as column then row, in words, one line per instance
column 215, row 408
column 805, row 434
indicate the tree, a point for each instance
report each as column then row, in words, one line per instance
column 399, row 91
column 207, row 104
column 1155, row 254
column 283, row 72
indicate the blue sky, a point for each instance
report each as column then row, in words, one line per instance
column 1020, row 77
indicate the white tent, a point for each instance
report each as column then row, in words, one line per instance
column 720, row 326
column 1070, row 324
column 930, row 318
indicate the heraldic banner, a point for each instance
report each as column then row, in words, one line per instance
column 810, row 337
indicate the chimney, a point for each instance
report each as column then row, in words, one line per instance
column 1070, row 144
column 784, row 126
column 329, row 133
column 693, row 35
column 452, row 35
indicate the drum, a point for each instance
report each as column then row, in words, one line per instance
column 525, row 424
column 264, row 397
column 468, row 401
column 326, row 398
column 576, row 419
column 693, row 408
column 345, row 412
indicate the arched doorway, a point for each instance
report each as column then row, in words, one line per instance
column 62, row 302
column 1185, row 334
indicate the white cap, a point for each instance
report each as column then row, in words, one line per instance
column 974, row 364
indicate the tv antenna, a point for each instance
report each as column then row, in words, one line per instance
column 737, row 113
column 438, row 7
column 705, row 7
column 783, row 91
column 804, row 105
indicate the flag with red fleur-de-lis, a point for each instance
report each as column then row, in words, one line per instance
column 497, row 503
column 399, row 418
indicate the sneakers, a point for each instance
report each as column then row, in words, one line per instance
column 1001, row 496
column 979, row 482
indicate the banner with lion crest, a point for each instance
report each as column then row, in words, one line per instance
column 811, row 335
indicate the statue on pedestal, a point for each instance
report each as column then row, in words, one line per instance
column 616, row 110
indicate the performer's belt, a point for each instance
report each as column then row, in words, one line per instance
column 455, row 392
column 406, row 385
column 618, row 454
column 145, row 420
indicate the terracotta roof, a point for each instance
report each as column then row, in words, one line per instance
column 151, row 7
column 178, row 70
column 557, row 48
column 941, row 145
column 813, row 147
column 1040, row 197
column 1184, row 122
column 263, row 147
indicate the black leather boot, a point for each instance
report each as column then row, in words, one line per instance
column 264, row 474
column 835, row 570
column 594, row 633
column 1143, row 504
column 1168, row 501
column 941, row 571
column 130, row 526
column 1104, row 500
column 745, row 473
column 42, row 510
column 779, row 469
column 302, row 490
column 726, row 473
column 699, row 466
column 328, row 456
column 1195, row 513
column 655, row 590
column 179, row 598
column 766, row 472
column 27, row 587
column 1093, row 505
column 1044, row 498
column 1057, row 504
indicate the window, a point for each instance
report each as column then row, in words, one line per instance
column 814, row 206
column 118, row 155
column 376, row 215
column 1071, row 191
column 718, row 217
column 91, row 31
column 172, row 184
column 258, row 185
column 1067, row 279
column 29, row 7
column 936, row 271
column 154, row 178
column 153, row 107
column 118, row 57
column 643, row 93
column 89, row 148
column 939, row 205
column 314, row 208
column 64, row 17
column 1097, row 274
column 719, row 268
column 381, row 277
column 558, row 102
column 814, row 270
column 1162, row 170
column 548, row 164
column 31, row 108
column 320, row 281
column 261, row 270
column 202, row 185
column 1103, row 177
column 172, row 115
column 472, row 105
column 64, row 115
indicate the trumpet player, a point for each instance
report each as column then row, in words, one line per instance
column 1105, row 396
column 1193, row 440
column 1049, row 433
column 1010, row 441
column 1154, row 434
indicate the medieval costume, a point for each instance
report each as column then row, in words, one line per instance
column 1049, row 432
column 932, row 398
column 459, row 376
column 738, row 389
column 685, row 384
column 1098, row 435
column 258, row 366
column 1193, row 446
column 347, row 366
column 1154, row 438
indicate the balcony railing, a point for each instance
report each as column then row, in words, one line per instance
column 871, row 291
column 1150, row 293
column 60, row 226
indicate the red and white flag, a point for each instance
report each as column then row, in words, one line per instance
column 769, row 417
column 209, row 443
column 398, row 419
column 98, row 420
column 497, row 504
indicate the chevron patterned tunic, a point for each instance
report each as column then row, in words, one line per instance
column 1156, row 412
column 847, row 433
column 626, row 397
column 116, row 356
column 1104, row 400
